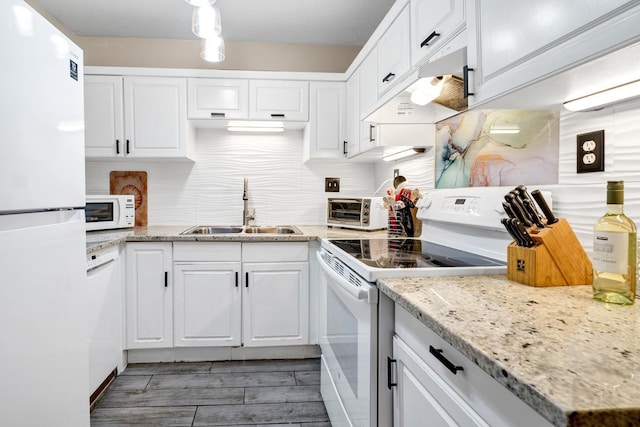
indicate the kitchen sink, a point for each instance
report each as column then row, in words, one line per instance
column 232, row 229
column 281, row 229
column 217, row 229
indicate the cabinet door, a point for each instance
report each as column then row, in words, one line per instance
column 103, row 117
column 394, row 52
column 420, row 394
column 275, row 304
column 512, row 44
column 368, row 92
column 207, row 304
column 218, row 99
column 149, row 295
column 327, row 120
column 155, row 116
column 433, row 24
column 353, row 114
column 279, row 100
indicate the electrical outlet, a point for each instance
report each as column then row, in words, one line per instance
column 332, row 185
column 590, row 152
column 396, row 172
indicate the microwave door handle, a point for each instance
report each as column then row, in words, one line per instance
column 358, row 293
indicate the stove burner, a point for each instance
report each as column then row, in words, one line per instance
column 409, row 253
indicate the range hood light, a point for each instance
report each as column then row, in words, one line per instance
column 403, row 154
column 257, row 126
column 605, row 97
column 427, row 89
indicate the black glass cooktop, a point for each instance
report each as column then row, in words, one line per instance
column 410, row 253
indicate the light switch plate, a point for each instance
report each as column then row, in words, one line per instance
column 332, row 185
column 590, row 152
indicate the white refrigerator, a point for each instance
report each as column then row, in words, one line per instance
column 43, row 337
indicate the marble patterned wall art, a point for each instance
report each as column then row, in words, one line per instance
column 489, row 148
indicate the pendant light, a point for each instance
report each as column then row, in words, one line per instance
column 200, row 3
column 213, row 49
column 206, row 22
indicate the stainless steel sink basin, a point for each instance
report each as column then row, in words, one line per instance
column 232, row 229
column 218, row 229
column 280, row 229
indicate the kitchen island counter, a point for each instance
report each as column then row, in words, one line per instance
column 573, row 359
column 97, row 240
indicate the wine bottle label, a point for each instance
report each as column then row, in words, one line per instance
column 610, row 251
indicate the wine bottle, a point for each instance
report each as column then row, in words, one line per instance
column 614, row 251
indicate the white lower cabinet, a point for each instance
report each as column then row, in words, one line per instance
column 435, row 382
column 149, row 296
column 207, row 300
column 222, row 294
column 275, row 300
column 275, row 304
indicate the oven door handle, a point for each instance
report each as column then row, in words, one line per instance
column 354, row 291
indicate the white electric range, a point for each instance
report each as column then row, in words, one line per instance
column 461, row 235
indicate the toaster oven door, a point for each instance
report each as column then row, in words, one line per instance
column 345, row 212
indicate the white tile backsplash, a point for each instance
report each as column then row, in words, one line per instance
column 282, row 189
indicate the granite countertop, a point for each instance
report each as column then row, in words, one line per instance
column 573, row 359
column 97, row 240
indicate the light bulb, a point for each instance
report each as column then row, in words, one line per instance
column 206, row 22
column 427, row 90
column 213, row 49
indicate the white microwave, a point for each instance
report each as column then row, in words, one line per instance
column 109, row 211
column 359, row 213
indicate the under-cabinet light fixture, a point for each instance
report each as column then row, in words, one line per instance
column 504, row 130
column 257, row 126
column 403, row 154
column 605, row 97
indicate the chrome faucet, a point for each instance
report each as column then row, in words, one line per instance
column 246, row 215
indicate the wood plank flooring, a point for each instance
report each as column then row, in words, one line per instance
column 236, row 393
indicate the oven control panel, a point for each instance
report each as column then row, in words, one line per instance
column 465, row 205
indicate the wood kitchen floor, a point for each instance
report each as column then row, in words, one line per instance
column 235, row 393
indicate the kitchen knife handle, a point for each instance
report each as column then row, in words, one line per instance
column 530, row 208
column 539, row 198
column 388, row 77
column 517, row 209
column 426, row 41
column 508, row 210
column 522, row 232
column 524, row 195
column 507, row 224
column 117, row 146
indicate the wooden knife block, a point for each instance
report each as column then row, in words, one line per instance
column 557, row 259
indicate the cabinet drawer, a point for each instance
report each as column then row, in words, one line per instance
column 200, row 251
column 275, row 252
column 492, row 401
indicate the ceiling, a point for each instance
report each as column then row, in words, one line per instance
column 319, row 22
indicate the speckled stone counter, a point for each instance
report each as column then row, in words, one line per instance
column 573, row 359
column 97, row 240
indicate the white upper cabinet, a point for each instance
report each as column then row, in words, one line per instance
column 368, row 87
column 155, row 117
column 141, row 117
column 513, row 44
column 286, row 100
column 326, row 134
column 103, row 118
column 353, row 114
column 394, row 57
column 433, row 23
column 218, row 98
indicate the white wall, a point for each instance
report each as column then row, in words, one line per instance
column 282, row 189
